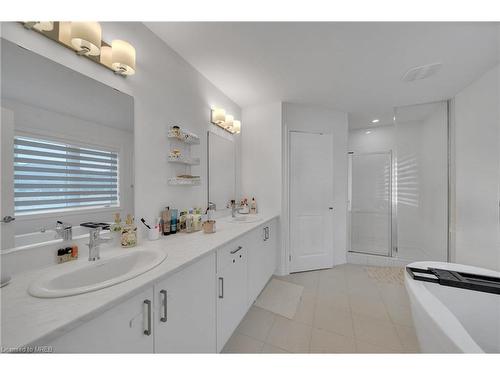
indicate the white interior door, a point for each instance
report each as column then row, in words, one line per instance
column 7, row 179
column 311, row 201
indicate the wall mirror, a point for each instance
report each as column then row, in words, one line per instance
column 67, row 145
column 221, row 170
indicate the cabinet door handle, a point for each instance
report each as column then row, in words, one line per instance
column 267, row 233
column 236, row 250
column 147, row 331
column 165, row 305
column 221, row 287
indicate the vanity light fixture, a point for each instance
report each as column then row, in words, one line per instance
column 39, row 25
column 236, row 127
column 218, row 116
column 85, row 39
column 122, row 57
column 227, row 122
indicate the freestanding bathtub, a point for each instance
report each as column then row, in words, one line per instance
column 453, row 320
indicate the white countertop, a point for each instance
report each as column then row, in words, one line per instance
column 28, row 320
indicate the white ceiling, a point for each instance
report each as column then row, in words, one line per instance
column 353, row 67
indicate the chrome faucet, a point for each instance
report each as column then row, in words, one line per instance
column 94, row 241
column 63, row 230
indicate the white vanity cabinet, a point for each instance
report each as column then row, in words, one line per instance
column 262, row 258
column 231, row 288
column 125, row 328
column 184, row 318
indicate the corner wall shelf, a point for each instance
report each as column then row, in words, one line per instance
column 181, row 157
column 184, row 181
column 195, row 161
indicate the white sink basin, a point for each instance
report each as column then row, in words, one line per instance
column 243, row 219
column 90, row 276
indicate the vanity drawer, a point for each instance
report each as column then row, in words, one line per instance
column 230, row 252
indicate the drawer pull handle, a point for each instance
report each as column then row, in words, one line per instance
column 221, row 287
column 147, row 331
column 236, row 250
column 165, row 306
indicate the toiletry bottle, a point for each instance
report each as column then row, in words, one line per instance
column 189, row 221
column 182, row 221
column 197, row 219
column 173, row 221
column 129, row 233
column 253, row 206
column 166, row 221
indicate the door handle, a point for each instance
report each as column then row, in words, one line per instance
column 330, row 208
column 236, row 250
column 147, row 331
column 165, row 305
column 221, row 287
column 7, row 219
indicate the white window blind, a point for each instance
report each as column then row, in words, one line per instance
column 51, row 176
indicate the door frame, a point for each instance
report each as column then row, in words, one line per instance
column 286, row 198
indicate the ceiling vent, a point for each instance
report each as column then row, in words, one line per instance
column 421, row 72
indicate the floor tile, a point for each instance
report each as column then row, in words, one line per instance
column 308, row 280
column 376, row 331
column 239, row 343
column 408, row 338
column 394, row 294
column 334, row 320
column 327, row 342
column 366, row 347
column 370, row 306
column 257, row 323
column 291, row 336
column 400, row 314
column 271, row 349
column 306, row 308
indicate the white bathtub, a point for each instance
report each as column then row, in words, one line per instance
column 453, row 320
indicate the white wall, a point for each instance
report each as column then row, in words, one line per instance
column 33, row 121
column 477, row 170
column 318, row 119
column 166, row 91
column 261, row 156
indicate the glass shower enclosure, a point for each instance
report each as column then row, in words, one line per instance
column 398, row 186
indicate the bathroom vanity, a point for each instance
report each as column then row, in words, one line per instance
column 190, row 303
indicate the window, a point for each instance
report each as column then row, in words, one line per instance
column 53, row 176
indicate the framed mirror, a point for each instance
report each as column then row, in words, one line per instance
column 67, row 144
column 221, row 170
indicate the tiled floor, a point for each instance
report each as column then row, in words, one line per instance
column 342, row 310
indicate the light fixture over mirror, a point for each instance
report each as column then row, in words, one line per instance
column 225, row 121
column 122, row 57
column 85, row 39
column 218, row 116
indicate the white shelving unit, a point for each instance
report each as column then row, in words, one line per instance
column 180, row 157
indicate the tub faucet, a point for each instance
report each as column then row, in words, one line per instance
column 95, row 240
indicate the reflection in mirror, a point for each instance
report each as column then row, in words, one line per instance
column 67, row 149
column 221, row 170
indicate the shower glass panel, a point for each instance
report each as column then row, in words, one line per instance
column 422, row 182
column 370, row 203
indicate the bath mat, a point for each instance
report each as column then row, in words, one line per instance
column 390, row 275
column 280, row 297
